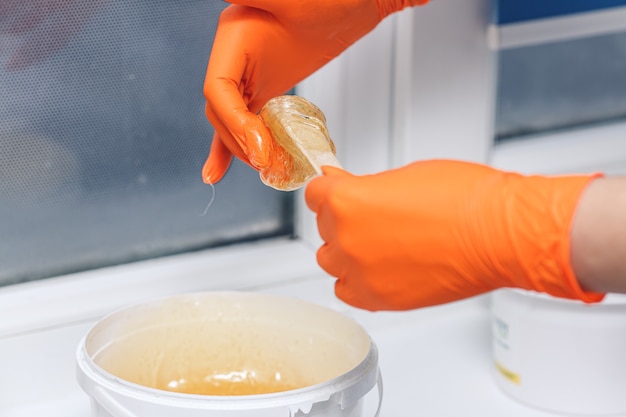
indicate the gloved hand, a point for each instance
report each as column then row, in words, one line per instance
column 438, row 231
column 262, row 49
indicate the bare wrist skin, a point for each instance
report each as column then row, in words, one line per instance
column 598, row 236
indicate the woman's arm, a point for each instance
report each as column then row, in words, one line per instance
column 599, row 236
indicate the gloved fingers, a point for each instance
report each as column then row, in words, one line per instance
column 327, row 259
column 254, row 54
column 259, row 4
column 319, row 188
column 230, row 141
column 269, row 5
column 344, row 288
column 218, row 161
column 228, row 95
column 242, row 131
column 316, row 192
column 330, row 170
column 345, row 293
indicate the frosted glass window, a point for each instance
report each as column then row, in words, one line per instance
column 561, row 85
column 103, row 137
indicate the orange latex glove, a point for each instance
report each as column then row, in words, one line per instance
column 438, row 231
column 262, row 49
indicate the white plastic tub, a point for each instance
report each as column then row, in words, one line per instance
column 133, row 360
column 559, row 355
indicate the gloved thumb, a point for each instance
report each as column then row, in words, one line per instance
column 268, row 5
column 320, row 187
column 218, row 161
column 331, row 170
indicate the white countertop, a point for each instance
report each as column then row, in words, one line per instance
column 434, row 362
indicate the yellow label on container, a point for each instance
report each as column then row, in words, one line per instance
column 508, row 374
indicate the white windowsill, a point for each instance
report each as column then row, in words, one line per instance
column 82, row 296
column 588, row 149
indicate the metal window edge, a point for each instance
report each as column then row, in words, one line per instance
column 556, row 29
